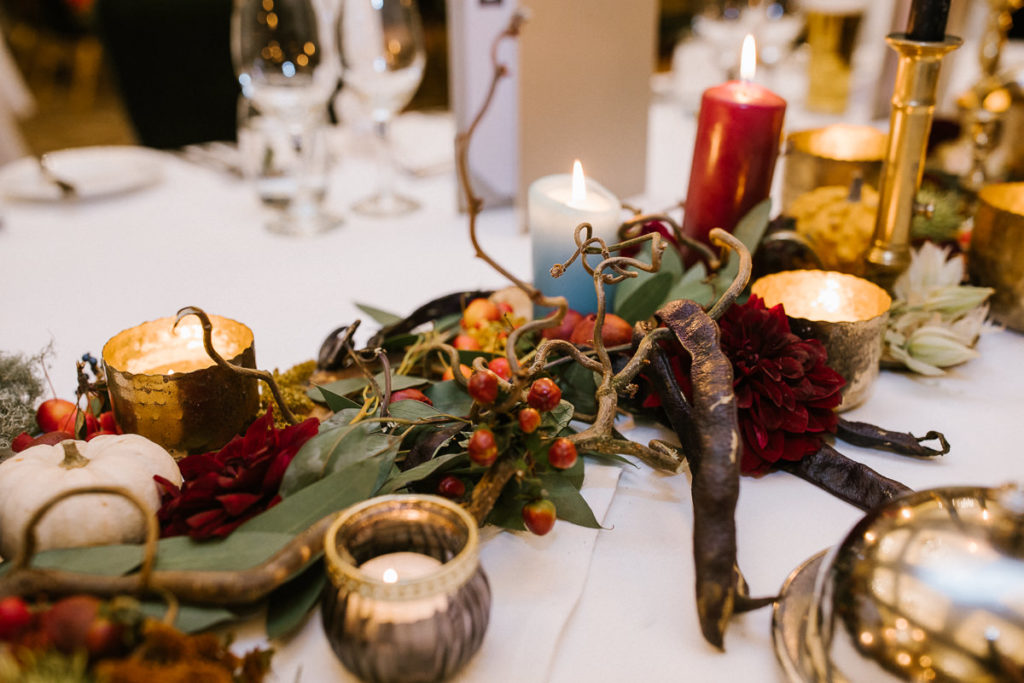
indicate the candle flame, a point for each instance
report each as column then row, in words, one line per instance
column 390, row 576
column 579, row 185
column 748, row 59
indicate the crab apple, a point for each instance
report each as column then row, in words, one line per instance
column 21, row 442
column 500, row 367
column 451, row 487
column 15, row 617
column 450, row 374
column 410, row 395
column 565, row 328
column 562, row 453
column 52, row 414
column 104, row 637
column 539, row 516
column 108, row 423
column 465, row 342
column 483, row 387
column 544, row 395
column 614, row 331
column 479, row 312
column 483, row 449
column 529, row 420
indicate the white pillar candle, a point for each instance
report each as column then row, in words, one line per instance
column 556, row 205
column 395, row 568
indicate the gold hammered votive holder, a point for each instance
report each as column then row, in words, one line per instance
column 406, row 599
column 833, row 155
column 996, row 257
column 164, row 386
column 847, row 314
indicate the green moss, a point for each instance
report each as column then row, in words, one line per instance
column 292, row 383
column 20, row 386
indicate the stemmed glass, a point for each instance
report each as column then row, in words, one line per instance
column 278, row 47
column 382, row 60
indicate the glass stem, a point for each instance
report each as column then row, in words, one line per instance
column 385, row 161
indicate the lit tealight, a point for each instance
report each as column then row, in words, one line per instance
column 390, row 576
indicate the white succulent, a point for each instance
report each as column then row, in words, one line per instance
column 934, row 321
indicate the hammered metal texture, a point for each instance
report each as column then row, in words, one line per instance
column 833, row 155
column 997, row 250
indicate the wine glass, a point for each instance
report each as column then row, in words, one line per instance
column 382, row 58
column 278, row 48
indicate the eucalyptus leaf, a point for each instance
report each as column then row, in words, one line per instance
column 334, row 401
column 611, row 459
column 288, row 606
column 350, row 385
column 334, row 492
column 382, row 317
column 644, row 299
column 107, row 560
column 507, row 512
column 418, row 473
column 448, row 397
column 749, row 231
column 240, row 550
column 336, row 435
column 191, row 618
column 578, row 385
column 413, row 410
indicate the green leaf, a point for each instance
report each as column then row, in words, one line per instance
column 350, row 385
column 693, row 286
column 191, row 618
column 288, row 606
column 106, row 560
column 382, row 317
column 449, row 397
column 578, row 385
column 569, row 503
column 240, row 550
column 507, row 512
column 749, row 231
column 611, row 459
column 418, row 473
column 334, row 492
column 641, row 302
column 333, row 400
column 336, row 434
column 413, row 410
column 559, row 418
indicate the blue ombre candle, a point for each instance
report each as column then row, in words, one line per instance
column 556, row 204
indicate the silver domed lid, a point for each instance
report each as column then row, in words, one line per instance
column 929, row 587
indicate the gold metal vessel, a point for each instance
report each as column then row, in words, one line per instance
column 996, row 257
column 833, row 155
column 163, row 385
column 845, row 313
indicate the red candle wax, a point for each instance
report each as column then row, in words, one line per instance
column 738, row 135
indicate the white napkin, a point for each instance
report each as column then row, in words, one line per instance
column 536, row 582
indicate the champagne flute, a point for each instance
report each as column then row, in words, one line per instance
column 382, row 58
column 278, row 49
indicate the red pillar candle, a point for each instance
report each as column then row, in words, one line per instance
column 738, row 135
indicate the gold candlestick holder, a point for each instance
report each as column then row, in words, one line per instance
column 913, row 104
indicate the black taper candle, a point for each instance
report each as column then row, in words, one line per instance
column 928, row 20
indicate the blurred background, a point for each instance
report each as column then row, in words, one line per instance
column 92, row 72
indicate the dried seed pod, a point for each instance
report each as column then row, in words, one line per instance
column 904, row 443
column 846, row 479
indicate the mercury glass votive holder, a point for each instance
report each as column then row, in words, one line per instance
column 406, row 599
column 164, row 386
column 833, row 155
column 996, row 257
column 847, row 314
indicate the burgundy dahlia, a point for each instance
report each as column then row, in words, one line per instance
column 785, row 393
column 224, row 488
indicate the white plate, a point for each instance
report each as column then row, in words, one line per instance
column 94, row 172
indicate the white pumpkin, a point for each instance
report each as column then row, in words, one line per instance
column 36, row 474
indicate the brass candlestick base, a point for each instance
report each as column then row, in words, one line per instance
column 913, row 103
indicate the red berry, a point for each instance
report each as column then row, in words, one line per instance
column 529, row 420
column 21, row 442
column 565, row 328
column 539, row 516
column 483, row 449
column 104, row 638
column 464, row 342
column 544, row 395
column 410, row 395
column 53, row 413
column 483, row 387
column 562, row 453
column 500, row 367
column 15, row 617
column 614, row 332
column 108, row 423
column 451, row 487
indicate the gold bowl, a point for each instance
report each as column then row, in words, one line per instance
column 846, row 313
column 833, row 155
column 996, row 257
column 163, row 385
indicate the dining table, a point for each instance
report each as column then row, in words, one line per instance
column 578, row 604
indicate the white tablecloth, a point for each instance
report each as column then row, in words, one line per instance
column 612, row 605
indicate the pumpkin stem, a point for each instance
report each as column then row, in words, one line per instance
column 72, row 457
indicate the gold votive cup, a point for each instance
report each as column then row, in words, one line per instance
column 847, row 314
column 996, row 257
column 832, row 37
column 833, row 155
column 417, row 625
column 163, row 385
